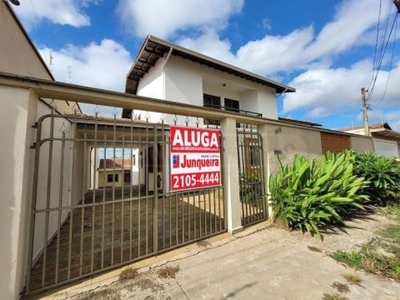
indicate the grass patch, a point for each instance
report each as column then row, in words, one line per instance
column 381, row 256
column 336, row 296
column 353, row 278
column 393, row 211
column 168, row 272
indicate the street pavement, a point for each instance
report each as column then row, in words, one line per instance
column 262, row 262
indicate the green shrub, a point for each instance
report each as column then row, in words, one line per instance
column 383, row 174
column 311, row 193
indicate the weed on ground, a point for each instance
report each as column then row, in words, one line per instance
column 127, row 274
column 352, row 278
column 336, row 296
column 168, row 272
column 381, row 255
column 341, row 287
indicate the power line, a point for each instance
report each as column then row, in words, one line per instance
column 390, row 66
column 382, row 55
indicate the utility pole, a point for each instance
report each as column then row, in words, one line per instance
column 364, row 100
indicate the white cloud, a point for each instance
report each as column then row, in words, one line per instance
column 323, row 92
column 65, row 12
column 163, row 18
column 299, row 49
column 103, row 65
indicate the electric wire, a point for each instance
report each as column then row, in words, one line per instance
column 390, row 66
column 376, row 40
column 379, row 60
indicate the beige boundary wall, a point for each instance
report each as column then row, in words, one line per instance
column 20, row 99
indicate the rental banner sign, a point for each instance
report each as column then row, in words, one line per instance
column 195, row 158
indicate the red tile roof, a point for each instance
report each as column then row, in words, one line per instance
column 116, row 163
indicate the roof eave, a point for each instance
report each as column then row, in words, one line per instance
column 206, row 60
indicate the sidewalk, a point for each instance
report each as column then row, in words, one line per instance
column 259, row 263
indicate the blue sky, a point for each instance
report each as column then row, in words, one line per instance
column 327, row 50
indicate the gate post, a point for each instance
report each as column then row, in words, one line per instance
column 263, row 131
column 230, row 170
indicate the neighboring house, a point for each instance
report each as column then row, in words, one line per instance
column 386, row 141
column 114, row 172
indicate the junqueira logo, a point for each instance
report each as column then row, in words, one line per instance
column 175, row 161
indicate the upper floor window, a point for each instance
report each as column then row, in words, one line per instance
column 232, row 105
column 212, row 102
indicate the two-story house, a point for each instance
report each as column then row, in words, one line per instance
column 166, row 71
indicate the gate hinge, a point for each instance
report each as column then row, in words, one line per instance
column 33, row 146
column 35, row 125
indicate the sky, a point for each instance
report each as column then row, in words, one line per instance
column 327, row 50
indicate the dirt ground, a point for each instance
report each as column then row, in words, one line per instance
column 261, row 262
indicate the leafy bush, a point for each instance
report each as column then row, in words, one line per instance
column 383, row 174
column 311, row 193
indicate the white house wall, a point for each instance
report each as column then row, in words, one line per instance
column 186, row 81
column 267, row 104
column 183, row 82
column 16, row 159
column 152, row 85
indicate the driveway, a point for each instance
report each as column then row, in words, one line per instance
column 262, row 262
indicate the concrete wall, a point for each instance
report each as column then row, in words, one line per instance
column 286, row 142
column 16, row 160
column 21, row 109
column 17, row 55
column 361, row 144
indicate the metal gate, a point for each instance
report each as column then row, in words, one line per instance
column 251, row 176
column 98, row 199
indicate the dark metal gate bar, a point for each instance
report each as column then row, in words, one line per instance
column 86, row 218
column 251, row 175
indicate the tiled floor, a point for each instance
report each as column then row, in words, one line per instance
column 109, row 232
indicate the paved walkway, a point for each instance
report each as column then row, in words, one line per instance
column 260, row 263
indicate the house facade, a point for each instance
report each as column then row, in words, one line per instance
column 386, row 141
column 166, row 71
column 59, row 225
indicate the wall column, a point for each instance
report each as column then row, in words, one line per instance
column 230, row 171
column 16, row 159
